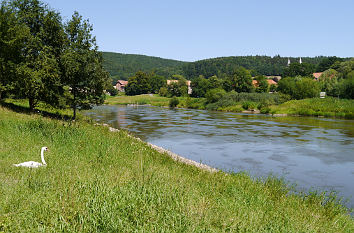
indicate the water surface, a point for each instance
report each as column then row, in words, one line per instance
column 313, row 153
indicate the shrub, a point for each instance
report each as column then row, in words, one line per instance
column 173, row 102
column 214, row 95
column 248, row 105
column 163, row 91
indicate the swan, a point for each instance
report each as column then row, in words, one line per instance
column 33, row 164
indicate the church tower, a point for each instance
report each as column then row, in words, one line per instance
column 288, row 61
column 300, row 61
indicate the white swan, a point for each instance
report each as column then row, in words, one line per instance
column 33, row 164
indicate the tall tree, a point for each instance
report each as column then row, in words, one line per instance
column 38, row 74
column 11, row 43
column 241, row 81
column 138, row 84
column 262, row 84
column 297, row 69
column 82, row 65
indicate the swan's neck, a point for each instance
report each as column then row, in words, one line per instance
column 42, row 156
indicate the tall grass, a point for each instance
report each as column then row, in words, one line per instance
column 100, row 181
column 328, row 107
column 154, row 100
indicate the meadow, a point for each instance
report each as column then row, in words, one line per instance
column 102, row 181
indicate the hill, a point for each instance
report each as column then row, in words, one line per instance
column 264, row 65
column 123, row 66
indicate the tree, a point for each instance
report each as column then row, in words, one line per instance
column 297, row 69
column 138, row 84
column 299, row 87
column 38, row 73
column 82, row 66
column 11, row 42
column 156, row 82
column 241, row 80
column 262, row 84
column 347, row 87
column 329, row 82
column 327, row 62
column 200, row 86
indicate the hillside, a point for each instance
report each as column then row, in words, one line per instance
column 264, row 65
column 123, row 66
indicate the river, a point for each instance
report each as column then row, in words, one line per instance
column 312, row 153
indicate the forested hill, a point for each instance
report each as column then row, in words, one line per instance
column 123, row 66
column 257, row 64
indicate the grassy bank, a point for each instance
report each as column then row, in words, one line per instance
column 153, row 100
column 328, row 107
column 97, row 180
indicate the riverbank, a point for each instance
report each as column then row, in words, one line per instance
column 98, row 180
column 328, row 107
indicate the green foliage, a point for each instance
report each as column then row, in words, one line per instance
column 178, row 88
column 37, row 42
column 241, row 81
column 297, row 69
column 345, row 68
column 156, row 83
column 258, row 65
column 248, row 105
column 200, row 86
column 127, row 65
column 163, row 91
column 299, row 88
column 214, row 95
column 346, row 88
column 262, row 84
column 327, row 63
column 138, row 84
column 82, row 64
column 329, row 82
column 328, row 107
column 173, row 102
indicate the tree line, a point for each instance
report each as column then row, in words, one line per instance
column 45, row 59
column 298, row 83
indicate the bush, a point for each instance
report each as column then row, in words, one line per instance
column 214, row 95
column 248, row 105
column 163, row 91
column 173, row 102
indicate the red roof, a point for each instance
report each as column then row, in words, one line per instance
column 270, row 82
column 122, row 82
column 317, row 75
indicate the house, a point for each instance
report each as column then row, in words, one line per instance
column 317, row 75
column 274, row 78
column 270, row 82
column 188, row 82
column 120, row 86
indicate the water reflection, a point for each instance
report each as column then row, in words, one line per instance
column 312, row 152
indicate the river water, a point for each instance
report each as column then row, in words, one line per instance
column 312, row 153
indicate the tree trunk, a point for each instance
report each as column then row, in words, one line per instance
column 74, row 117
column 31, row 104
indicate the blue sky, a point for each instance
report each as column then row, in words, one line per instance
column 191, row 30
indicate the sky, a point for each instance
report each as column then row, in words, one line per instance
column 190, row 30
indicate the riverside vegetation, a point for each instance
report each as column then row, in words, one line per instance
column 262, row 102
column 120, row 184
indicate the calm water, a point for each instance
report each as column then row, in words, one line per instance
column 313, row 153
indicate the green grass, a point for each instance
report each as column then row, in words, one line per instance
column 99, row 181
column 328, row 107
column 153, row 100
